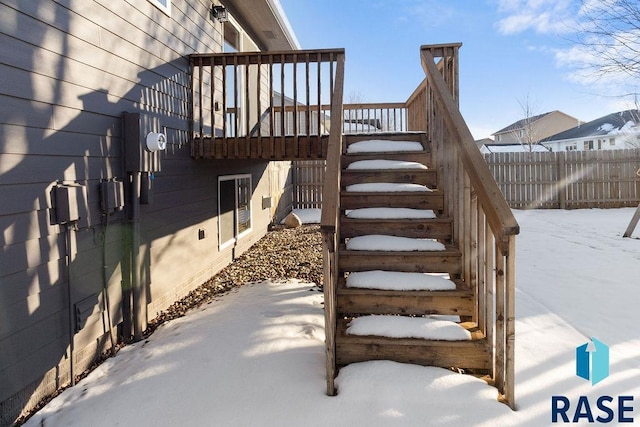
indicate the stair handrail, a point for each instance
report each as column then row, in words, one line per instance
column 484, row 225
column 499, row 215
column 331, row 187
column 329, row 221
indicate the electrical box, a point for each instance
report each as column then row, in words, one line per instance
column 111, row 196
column 70, row 202
column 83, row 310
column 267, row 202
column 138, row 156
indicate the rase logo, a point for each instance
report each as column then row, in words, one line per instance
column 592, row 363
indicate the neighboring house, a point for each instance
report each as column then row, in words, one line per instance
column 612, row 132
column 512, row 148
column 99, row 235
column 480, row 143
column 536, row 128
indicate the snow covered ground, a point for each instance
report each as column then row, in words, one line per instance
column 255, row 357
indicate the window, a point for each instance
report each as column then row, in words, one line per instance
column 234, row 208
column 163, row 5
column 612, row 142
column 588, row 145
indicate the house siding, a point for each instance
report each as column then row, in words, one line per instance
column 69, row 69
column 544, row 127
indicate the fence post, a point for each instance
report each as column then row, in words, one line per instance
column 562, row 178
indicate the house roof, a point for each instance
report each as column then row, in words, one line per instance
column 610, row 124
column 266, row 23
column 521, row 123
column 509, row 148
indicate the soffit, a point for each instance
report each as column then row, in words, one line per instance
column 265, row 22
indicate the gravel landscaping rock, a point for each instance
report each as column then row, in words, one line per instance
column 283, row 253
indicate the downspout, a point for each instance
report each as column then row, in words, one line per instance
column 72, row 326
column 105, row 283
column 138, row 288
column 132, row 294
column 134, row 290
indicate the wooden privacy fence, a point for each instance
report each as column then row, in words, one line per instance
column 308, row 178
column 568, row 179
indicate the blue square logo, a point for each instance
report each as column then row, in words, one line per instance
column 592, row 361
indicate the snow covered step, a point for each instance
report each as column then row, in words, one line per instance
column 458, row 301
column 385, row 165
column 383, row 146
column 390, row 137
column 386, row 187
column 446, row 261
column 423, row 157
column 407, row 327
column 399, row 281
column 390, row 213
column 415, row 200
column 379, row 242
column 434, row 228
column 425, row 177
column 469, row 353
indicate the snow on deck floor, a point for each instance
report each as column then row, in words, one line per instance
column 384, row 165
column 408, row 327
column 386, row 187
column 379, row 242
column 256, row 357
column 398, row 281
column 381, row 146
column 391, row 213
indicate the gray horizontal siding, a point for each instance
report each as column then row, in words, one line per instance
column 70, row 68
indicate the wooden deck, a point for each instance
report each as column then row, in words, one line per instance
column 256, row 147
column 273, row 106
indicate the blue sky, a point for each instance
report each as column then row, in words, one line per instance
column 512, row 49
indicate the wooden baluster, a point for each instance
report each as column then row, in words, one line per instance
column 510, row 331
column 295, row 107
column 225, row 130
column 281, row 152
column 247, row 110
column 306, row 152
column 272, row 116
column 258, row 154
column 212, row 109
column 201, row 101
column 236, row 104
column 320, row 121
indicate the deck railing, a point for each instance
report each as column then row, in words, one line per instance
column 262, row 105
column 375, row 117
column 484, row 226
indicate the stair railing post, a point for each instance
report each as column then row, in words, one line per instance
column 329, row 222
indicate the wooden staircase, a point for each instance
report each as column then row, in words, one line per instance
column 418, row 241
column 469, row 237
column 352, row 302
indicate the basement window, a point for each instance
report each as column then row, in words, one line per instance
column 163, row 5
column 234, row 208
